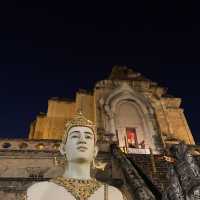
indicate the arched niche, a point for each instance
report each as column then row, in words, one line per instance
column 130, row 125
column 128, row 110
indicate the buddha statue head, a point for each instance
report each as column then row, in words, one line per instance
column 79, row 140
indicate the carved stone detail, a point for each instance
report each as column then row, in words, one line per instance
column 36, row 172
column 184, row 175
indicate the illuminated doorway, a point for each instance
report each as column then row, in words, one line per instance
column 131, row 135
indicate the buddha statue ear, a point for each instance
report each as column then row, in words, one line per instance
column 96, row 150
column 62, row 149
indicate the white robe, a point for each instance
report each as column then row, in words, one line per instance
column 51, row 191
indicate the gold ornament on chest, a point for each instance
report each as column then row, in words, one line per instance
column 80, row 189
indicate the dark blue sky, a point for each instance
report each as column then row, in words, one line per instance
column 47, row 49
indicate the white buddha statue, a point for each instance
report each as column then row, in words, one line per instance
column 79, row 149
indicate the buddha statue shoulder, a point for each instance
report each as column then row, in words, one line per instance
column 72, row 189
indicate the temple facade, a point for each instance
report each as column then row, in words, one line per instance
column 131, row 111
column 136, row 111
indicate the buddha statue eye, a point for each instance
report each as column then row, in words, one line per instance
column 74, row 136
column 88, row 137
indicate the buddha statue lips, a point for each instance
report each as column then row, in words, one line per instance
column 82, row 148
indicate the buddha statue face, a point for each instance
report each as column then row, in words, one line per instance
column 79, row 145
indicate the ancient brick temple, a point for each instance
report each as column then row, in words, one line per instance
column 129, row 110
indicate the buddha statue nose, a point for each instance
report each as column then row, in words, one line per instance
column 82, row 139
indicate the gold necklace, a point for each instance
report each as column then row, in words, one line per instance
column 80, row 189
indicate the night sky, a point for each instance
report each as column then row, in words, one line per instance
column 52, row 49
